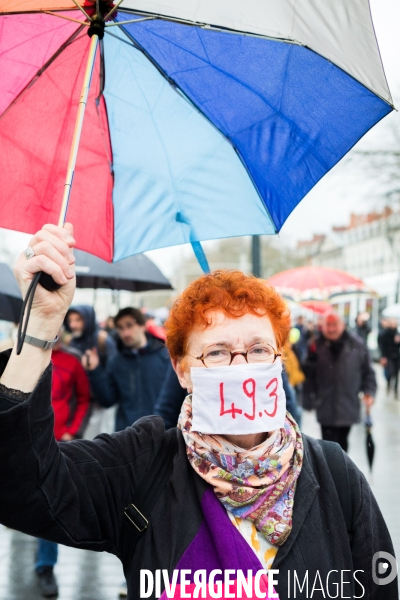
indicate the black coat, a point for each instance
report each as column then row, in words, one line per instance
column 132, row 380
column 170, row 399
column 336, row 378
column 75, row 494
column 387, row 345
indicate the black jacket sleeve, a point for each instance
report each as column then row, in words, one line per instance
column 72, row 493
column 370, row 536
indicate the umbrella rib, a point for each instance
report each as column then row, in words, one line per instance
column 102, row 70
column 132, row 21
column 210, row 27
column 112, row 11
column 54, row 14
column 82, row 9
column 44, row 67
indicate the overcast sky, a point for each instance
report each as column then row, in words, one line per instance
column 347, row 187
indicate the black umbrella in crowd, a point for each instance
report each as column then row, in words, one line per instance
column 134, row 274
column 369, row 440
column 10, row 296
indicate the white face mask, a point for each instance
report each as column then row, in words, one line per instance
column 238, row 399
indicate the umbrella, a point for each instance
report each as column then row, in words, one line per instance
column 135, row 274
column 369, row 440
column 203, row 119
column 10, row 296
column 392, row 311
column 317, row 306
column 316, row 283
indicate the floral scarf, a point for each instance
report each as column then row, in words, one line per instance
column 257, row 484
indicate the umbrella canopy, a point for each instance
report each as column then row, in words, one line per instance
column 317, row 306
column 392, row 311
column 315, row 283
column 10, row 295
column 204, row 119
column 135, row 274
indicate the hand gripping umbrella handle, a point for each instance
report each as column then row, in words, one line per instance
column 48, row 282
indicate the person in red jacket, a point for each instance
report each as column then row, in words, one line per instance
column 70, row 396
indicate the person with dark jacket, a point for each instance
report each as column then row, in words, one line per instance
column 338, row 368
column 389, row 345
column 134, row 376
column 80, row 322
column 363, row 327
column 242, row 492
column 169, row 402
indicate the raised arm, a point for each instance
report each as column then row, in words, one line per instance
column 73, row 493
column 52, row 246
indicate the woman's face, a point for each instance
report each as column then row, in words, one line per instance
column 237, row 334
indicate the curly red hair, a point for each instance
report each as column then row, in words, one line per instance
column 230, row 292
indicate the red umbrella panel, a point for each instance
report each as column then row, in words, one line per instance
column 56, row 58
column 316, row 283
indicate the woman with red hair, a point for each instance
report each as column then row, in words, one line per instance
column 235, row 502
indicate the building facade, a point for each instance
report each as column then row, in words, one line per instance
column 368, row 247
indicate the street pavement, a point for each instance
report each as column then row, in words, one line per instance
column 84, row 575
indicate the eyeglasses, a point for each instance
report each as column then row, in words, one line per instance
column 218, row 355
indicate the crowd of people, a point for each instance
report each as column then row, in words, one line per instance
column 125, row 363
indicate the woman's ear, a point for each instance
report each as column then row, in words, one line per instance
column 180, row 372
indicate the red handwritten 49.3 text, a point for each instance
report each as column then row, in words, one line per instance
column 249, row 389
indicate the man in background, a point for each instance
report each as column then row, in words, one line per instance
column 363, row 327
column 337, row 369
column 70, row 397
column 134, row 376
column 389, row 345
